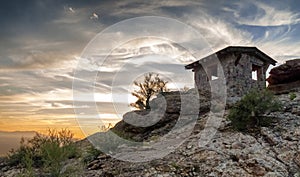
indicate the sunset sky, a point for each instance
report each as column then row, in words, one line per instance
column 43, row 41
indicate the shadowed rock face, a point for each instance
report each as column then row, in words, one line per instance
column 164, row 113
column 286, row 77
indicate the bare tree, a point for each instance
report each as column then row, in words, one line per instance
column 151, row 86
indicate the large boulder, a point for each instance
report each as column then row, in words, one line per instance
column 165, row 111
column 285, row 73
column 286, row 77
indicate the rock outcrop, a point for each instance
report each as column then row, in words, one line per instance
column 160, row 120
column 273, row 152
column 286, row 77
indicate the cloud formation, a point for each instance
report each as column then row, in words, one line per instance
column 266, row 15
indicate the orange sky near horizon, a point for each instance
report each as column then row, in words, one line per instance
column 43, row 127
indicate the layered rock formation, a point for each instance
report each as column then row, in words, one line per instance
column 285, row 78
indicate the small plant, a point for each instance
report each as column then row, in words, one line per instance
column 292, row 95
column 185, row 89
column 92, row 154
column 175, row 165
column 46, row 151
column 154, row 138
column 249, row 112
column 28, row 165
column 28, row 162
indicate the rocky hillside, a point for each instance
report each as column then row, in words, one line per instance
column 272, row 152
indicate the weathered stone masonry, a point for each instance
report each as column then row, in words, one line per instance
column 239, row 65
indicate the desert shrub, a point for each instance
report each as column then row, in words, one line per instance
column 46, row 151
column 91, row 154
column 151, row 86
column 292, row 95
column 248, row 113
column 23, row 157
column 15, row 157
column 28, row 162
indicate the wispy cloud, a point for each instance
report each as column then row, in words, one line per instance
column 218, row 32
column 266, row 15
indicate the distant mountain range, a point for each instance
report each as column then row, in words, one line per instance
column 11, row 140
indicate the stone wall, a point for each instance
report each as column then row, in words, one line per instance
column 237, row 69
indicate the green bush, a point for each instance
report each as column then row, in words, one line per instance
column 248, row 113
column 91, row 154
column 292, row 96
column 15, row 157
column 46, row 151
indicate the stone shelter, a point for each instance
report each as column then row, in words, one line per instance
column 243, row 68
